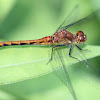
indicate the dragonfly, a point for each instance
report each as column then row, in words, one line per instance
column 61, row 38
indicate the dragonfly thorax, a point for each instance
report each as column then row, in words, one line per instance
column 62, row 37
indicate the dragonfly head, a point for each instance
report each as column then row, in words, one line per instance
column 81, row 38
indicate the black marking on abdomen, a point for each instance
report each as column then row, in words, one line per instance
column 40, row 42
column 5, row 45
column 32, row 43
column 13, row 44
column 23, row 43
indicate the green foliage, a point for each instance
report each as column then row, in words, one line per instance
column 28, row 65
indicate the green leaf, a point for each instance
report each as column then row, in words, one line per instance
column 19, row 63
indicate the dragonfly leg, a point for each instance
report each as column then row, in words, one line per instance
column 51, row 54
column 53, row 50
column 82, row 49
column 78, row 47
column 70, row 53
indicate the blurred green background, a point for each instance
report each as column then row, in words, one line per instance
column 33, row 19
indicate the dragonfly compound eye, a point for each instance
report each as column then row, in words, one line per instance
column 80, row 33
column 85, row 38
column 80, row 37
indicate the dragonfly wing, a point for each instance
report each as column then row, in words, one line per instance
column 81, row 55
column 70, row 18
column 77, row 21
column 61, row 72
column 60, row 60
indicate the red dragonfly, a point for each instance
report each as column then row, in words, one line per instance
column 60, row 38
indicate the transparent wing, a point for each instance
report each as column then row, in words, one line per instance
column 60, row 70
column 81, row 55
column 75, row 20
column 60, row 63
column 70, row 18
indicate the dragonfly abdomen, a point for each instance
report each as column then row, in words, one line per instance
column 43, row 41
column 11, row 43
